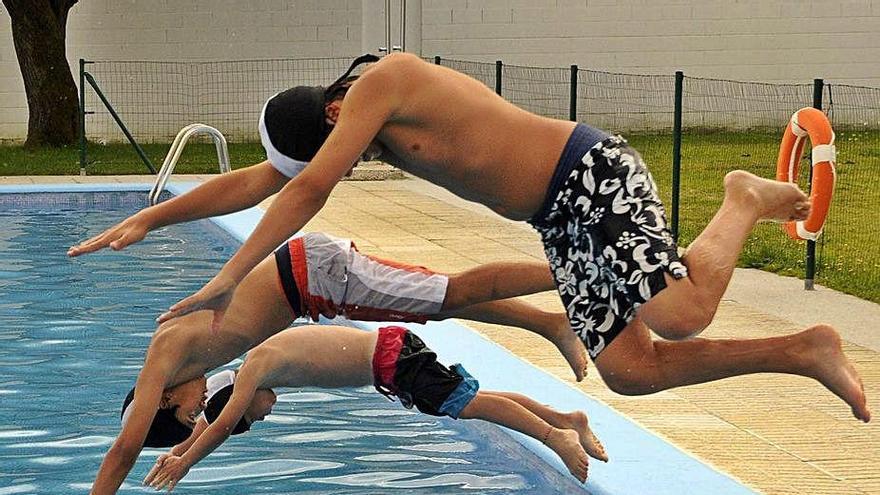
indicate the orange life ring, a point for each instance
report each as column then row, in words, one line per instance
column 813, row 123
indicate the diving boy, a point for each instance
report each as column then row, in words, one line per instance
column 589, row 195
column 398, row 364
column 312, row 275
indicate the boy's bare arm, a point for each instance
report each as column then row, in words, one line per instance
column 225, row 193
column 174, row 468
column 369, row 105
column 198, row 429
column 365, row 112
column 181, row 448
column 124, row 452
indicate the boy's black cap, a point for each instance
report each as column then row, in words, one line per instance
column 216, row 404
column 166, row 430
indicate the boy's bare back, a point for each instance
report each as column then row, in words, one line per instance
column 316, row 356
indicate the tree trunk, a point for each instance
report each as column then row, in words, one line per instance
column 38, row 33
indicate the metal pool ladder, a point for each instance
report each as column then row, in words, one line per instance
column 177, row 148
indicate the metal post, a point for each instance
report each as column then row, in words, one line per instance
column 403, row 25
column 436, row 59
column 82, row 116
column 676, row 152
column 810, row 262
column 388, row 47
column 499, row 68
column 573, row 96
column 119, row 122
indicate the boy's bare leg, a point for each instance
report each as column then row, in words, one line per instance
column 710, row 259
column 515, row 313
column 508, row 413
column 575, row 420
column 634, row 364
column 494, row 281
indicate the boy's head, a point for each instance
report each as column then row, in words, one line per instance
column 178, row 410
column 260, row 407
column 296, row 122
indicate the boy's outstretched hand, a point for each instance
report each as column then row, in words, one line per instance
column 167, row 472
column 129, row 231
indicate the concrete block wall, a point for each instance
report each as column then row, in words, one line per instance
column 175, row 30
column 749, row 40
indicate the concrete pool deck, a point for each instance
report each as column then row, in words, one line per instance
column 776, row 434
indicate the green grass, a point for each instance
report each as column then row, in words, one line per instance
column 848, row 252
column 121, row 159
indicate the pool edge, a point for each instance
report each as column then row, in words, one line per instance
column 641, row 461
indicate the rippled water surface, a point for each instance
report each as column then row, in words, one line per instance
column 72, row 338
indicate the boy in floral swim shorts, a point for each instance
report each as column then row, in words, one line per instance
column 605, row 235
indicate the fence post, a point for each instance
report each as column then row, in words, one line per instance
column 436, row 59
column 676, row 152
column 573, row 97
column 122, row 127
column 810, row 275
column 82, row 117
column 499, row 68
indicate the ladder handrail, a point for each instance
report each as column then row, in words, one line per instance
column 177, row 148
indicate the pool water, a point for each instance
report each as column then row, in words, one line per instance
column 73, row 333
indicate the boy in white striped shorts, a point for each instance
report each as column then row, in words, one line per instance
column 323, row 275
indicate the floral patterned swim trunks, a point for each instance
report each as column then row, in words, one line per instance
column 605, row 235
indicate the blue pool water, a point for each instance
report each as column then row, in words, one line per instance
column 73, row 333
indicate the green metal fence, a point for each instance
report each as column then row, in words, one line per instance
column 691, row 131
column 727, row 125
column 848, row 255
column 154, row 100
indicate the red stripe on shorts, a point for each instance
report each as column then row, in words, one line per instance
column 300, row 271
column 388, row 346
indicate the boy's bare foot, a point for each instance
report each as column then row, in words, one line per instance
column 567, row 446
column 578, row 422
column 826, row 363
column 571, row 347
column 773, row 200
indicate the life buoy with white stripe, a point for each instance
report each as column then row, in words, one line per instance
column 812, row 123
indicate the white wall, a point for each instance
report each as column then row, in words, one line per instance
column 748, row 40
column 174, row 30
column 752, row 40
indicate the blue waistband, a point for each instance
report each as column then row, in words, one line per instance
column 582, row 138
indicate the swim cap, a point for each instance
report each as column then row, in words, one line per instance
column 215, row 406
column 293, row 126
column 166, row 430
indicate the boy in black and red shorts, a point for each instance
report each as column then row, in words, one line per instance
column 397, row 363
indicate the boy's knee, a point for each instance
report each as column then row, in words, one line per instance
column 685, row 323
column 628, row 383
column 636, row 373
column 466, row 289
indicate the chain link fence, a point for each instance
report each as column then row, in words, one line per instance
column 725, row 125
column 156, row 99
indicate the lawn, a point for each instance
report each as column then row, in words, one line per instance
column 848, row 253
column 121, row 159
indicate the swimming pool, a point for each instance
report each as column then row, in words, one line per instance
column 55, row 443
column 72, row 338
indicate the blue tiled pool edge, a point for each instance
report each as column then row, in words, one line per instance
column 641, row 462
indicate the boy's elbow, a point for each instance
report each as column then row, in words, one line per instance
column 123, row 454
column 308, row 192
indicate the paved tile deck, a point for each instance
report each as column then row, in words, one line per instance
column 778, row 434
column 782, row 435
